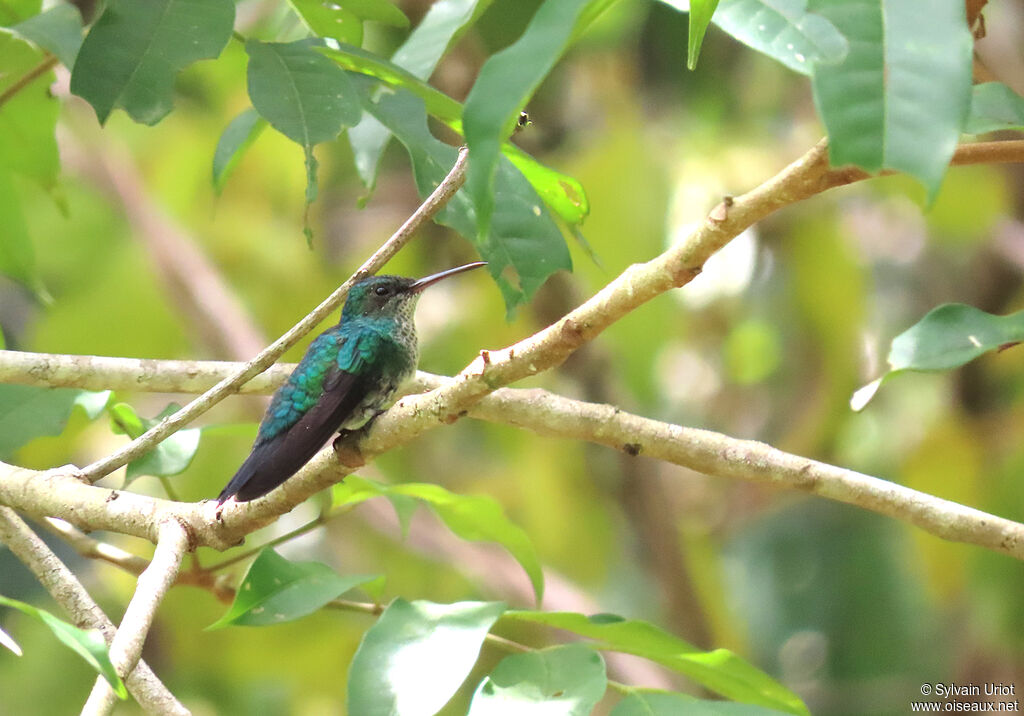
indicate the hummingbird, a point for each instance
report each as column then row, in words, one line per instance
column 347, row 376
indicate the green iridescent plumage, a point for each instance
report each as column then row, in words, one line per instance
column 347, row 376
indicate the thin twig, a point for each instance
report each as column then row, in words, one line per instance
column 126, row 648
column 144, row 443
column 65, row 588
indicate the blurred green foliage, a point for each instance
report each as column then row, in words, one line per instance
column 850, row 610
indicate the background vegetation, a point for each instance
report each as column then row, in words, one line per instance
column 137, row 255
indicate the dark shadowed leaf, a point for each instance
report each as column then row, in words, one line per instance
column 416, row 656
column 901, row 96
column 134, row 51
column 523, row 239
column 88, row 644
column 995, row 106
column 170, row 457
column 236, row 138
column 57, row 30
column 505, row 83
column 562, row 193
column 783, row 30
column 303, row 95
column 275, row 590
column 562, row 681
column 947, row 337
column 28, row 412
column 719, row 670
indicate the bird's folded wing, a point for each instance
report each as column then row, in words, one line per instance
column 274, row 461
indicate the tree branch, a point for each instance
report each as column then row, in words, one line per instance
column 126, row 648
column 65, row 588
column 536, row 410
column 144, row 443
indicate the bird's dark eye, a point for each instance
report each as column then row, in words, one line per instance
column 381, row 291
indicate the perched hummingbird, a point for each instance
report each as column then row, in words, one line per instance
column 347, row 376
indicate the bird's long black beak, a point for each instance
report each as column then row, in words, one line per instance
column 433, row 278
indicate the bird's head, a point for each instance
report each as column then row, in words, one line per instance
column 393, row 296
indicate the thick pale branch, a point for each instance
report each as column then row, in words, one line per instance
column 264, row 360
column 548, row 414
column 65, row 588
column 126, row 648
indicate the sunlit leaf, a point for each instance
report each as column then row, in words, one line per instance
column 275, row 590
column 505, row 82
column 331, row 20
column 57, row 30
column 995, row 106
column 719, row 670
column 8, row 643
column 236, row 138
column 701, row 12
column 562, row 681
column 947, row 337
column 17, row 256
column 901, row 96
column 472, row 517
column 416, row 656
column 377, row 10
column 28, row 146
column 644, row 702
column 93, row 403
column 88, row 644
column 134, row 51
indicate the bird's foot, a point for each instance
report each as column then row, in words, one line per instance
column 346, row 448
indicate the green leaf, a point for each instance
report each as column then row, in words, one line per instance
column 995, row 106
column 303, row 95
column 134, row 51
column 87, row 644
column 93, row 403
column 330, row 20
column 783, row 30
column 562, row 193
column 275, row 591
column 58, row 31
column 170, row 457
column 522, row 241
column 14, row 11
column 419, row 55
column 8, row 643
column 472, row 517
column 377, row 10
column 901, row 97
column 701, row 12
column 562, row 681
column 17, row 257
column 947, row 337
column 28, row 412
column 236, row 138
column 719, row 670
column 644, row 702
column 505, row 83
column 28, row 120
column 416, row 656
